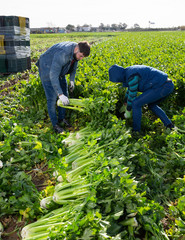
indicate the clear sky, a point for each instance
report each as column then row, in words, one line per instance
column 59, row 13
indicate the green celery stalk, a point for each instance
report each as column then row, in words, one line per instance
column 61, row 186
column 77, row 163
column 44, row 230
column 39, row 229
column 71, row 197
column 71, row 189
column 71, row 157
column 74, row 104
column 77, row 172
column 75, row 147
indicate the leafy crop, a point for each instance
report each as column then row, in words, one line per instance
column 119, row 186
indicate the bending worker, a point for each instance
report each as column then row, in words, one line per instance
column 59, row 60
column 154, row 85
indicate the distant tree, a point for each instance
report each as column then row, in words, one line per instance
column 78, row 28
column 136, row 25
column 70, row 28
column 107, row 27
column 102, row 27
column 122, row 26
column 114, row 26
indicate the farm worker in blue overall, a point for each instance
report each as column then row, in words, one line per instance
column 154, row 85
column 59, row 60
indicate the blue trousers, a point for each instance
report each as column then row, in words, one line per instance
column 51, row 97
column 151, row 97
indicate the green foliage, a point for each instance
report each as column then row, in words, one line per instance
column 32, row 96
column 136, row 184
column 18, row 193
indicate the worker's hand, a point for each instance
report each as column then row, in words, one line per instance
column 127, row 114
column 64, row 99
column 72, row 86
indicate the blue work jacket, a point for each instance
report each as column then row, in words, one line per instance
column 55, row 63
column 149, row 77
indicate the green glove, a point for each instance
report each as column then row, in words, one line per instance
column 127, row 114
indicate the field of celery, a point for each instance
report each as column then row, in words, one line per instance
column 94, row 181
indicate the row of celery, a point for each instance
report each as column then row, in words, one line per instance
column 81, row 156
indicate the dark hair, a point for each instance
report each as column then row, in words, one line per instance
column 84, row 48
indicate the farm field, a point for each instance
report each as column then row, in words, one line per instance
column 95, row 181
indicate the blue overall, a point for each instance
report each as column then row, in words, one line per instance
column 53, row 65
column 154, row 85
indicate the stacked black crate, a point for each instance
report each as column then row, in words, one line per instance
column 14, row 44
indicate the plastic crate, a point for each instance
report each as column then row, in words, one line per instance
column 6, row 21
column 15, row 64
column 3, row 64
column 14, row 44
column 14, row 30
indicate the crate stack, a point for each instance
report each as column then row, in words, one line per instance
column 14, row 44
